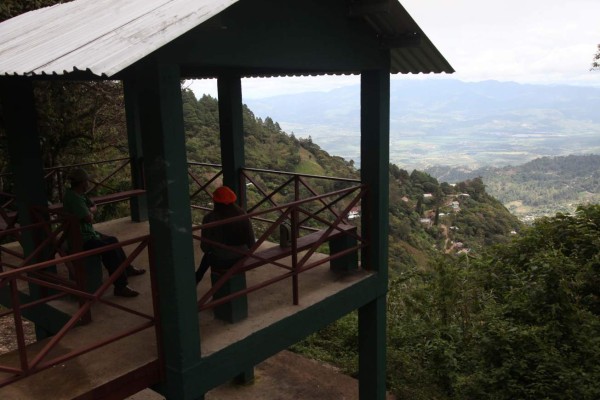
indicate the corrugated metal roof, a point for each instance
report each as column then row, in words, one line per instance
column 423, row 57
column 103, row 36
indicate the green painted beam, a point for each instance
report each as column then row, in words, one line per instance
column 372, row 350
column 231, row 129
column 20, row 122
column 374, row 168
column 24, row 149
column 138, row 204
column 375, row 117
column 298, row 35
column 224, row 365
column 169, row 216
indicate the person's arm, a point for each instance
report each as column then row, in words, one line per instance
column 93, row 208
column 77, row 205
column 206, row 233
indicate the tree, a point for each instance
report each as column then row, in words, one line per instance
column 596, row 62
column 12, row 8
column 75, row 119
column 537, row 336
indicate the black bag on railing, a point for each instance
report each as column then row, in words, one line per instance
column 284, row 235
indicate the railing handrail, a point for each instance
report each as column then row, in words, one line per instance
column 59, row 167
column 324, row 177
column 278, row 207
column 298, row 266
column 203, row 164
column 55, row 179
column 39, row 361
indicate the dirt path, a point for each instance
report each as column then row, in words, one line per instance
column 285, row 376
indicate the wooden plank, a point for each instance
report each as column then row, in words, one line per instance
column 303, row 243
column 114, row 197
column 105, row 199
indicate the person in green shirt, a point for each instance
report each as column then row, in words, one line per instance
column 76, row 202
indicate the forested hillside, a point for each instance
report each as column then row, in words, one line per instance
column 519, row 321
column 426, row 217
column 479, row 307
column 465, row 320
column 540, row 187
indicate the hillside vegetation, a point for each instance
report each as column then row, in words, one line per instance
column 479, row 306
column 449, row 122
column 541, row 187
column 519, row 321
column 421, row 209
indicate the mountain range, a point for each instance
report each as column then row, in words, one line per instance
column 449, row 122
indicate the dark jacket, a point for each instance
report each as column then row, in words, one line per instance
column 237, row 234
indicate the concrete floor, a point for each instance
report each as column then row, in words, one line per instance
column 264, row 307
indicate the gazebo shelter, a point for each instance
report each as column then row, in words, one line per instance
column 151, row 46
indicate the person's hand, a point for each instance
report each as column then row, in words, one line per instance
column 88, row 218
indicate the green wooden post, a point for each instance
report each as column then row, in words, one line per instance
column 233, row 159
column 138, row 204
column 232, row 129
column 375, row 108
column 169, row 215
column 20, row 118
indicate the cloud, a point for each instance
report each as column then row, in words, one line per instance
column 531, row 41
column 525, row 41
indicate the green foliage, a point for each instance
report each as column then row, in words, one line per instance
column 334, row 344
column 12, row 8
column 543, row 186
column 539, row 339
column 521, row 321
column 80, row 120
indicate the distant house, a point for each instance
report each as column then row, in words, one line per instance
column 405, row 199
column 354, row 213
column 464, row 195
column 427, row 195
column 426, row 221
column 455, row 205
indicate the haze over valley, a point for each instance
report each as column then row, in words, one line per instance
column 449, row 122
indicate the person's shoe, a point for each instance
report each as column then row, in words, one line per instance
column 133, row 271
column 125, row 291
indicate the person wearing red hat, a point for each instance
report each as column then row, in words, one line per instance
column 237, row 234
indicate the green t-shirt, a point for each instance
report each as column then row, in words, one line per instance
column 79, row 205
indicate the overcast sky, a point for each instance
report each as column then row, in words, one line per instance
column 526, row 41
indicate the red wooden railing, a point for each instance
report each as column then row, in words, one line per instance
column 304, row 211
column 37, row 273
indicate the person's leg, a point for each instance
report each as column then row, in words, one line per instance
column 204, row 265
column 111, row 259
column 130, row 270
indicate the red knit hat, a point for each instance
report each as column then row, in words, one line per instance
column 224, row 195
